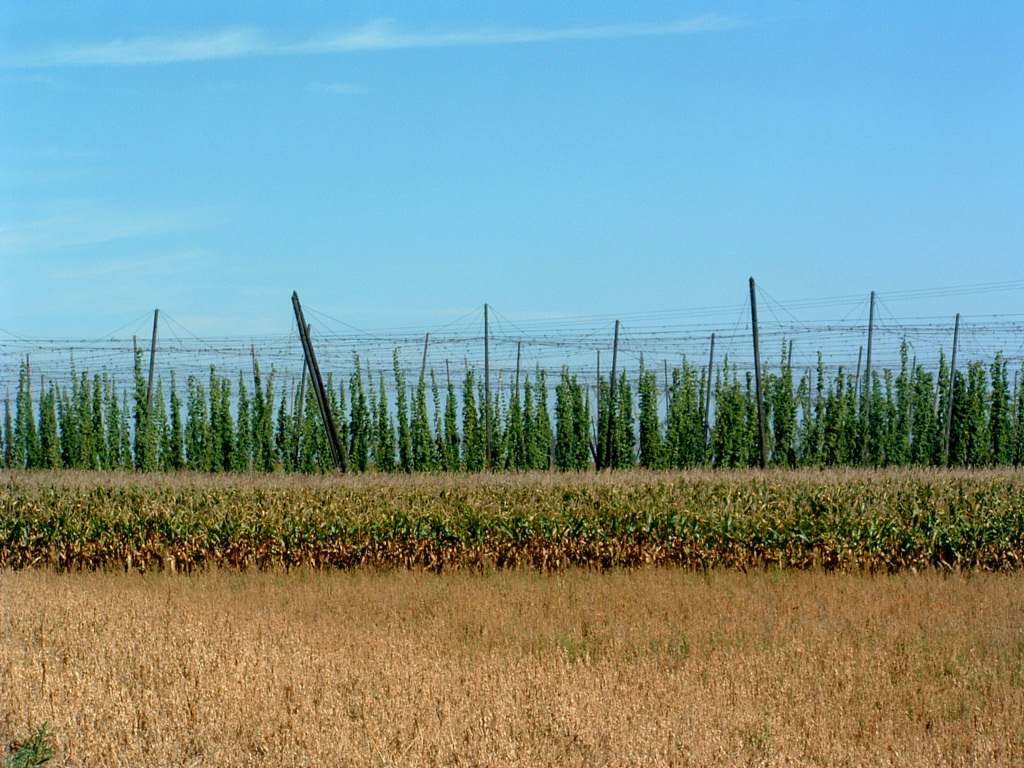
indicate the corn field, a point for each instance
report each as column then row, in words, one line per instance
column 856, row 520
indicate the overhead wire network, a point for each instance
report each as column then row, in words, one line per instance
column 581, row 343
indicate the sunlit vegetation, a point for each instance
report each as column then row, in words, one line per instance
column 871, row 520
column 250, row 423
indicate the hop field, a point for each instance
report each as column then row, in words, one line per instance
column 861, row 520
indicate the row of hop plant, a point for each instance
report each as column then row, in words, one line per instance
column 895, row 419
column 875, row 522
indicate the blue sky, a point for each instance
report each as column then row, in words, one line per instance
column 400, row 164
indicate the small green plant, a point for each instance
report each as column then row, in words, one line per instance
column 34, row 751
column 758, row 738
column 682, row 646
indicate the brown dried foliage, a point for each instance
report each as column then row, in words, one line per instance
column 515, row 668
column 847, row 519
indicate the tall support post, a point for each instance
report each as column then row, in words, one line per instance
column 338, row 453
column 487, row 384
column 595, row 445
column 300, row 409
column 910, row 404
column 707, row 394
column 152, row 363
column 668, row 394
column 867, row 384
column 1016, row 399
column 812, row 402
column 952, row 385
column 519, row 360
column 609, row 438
column 423, row 368
column 757, row 375
column 871, row 335
column 856, row 378
column 257, row 382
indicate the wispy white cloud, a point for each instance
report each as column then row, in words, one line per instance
column 230, row 44
column 378, row 35
column 383, row 34
column 79, row 223
column 137, row 267
column 335, row 89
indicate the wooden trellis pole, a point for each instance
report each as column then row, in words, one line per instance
column 338, row 453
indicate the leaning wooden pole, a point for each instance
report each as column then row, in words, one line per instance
column 338, row 454
column 757, row 376
column 152, row 365
column 952, row 385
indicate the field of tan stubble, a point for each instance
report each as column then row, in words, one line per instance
column 651, row 667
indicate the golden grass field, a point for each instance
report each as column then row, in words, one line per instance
column 654, row 666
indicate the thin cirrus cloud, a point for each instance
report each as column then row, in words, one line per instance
column 77, row 224
column 165, row 265
column 379, row 35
